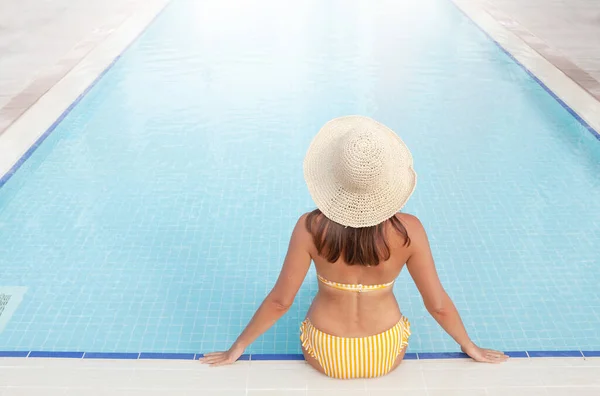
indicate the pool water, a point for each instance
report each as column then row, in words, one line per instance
column 156, row 216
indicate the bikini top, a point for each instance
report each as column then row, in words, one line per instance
column 355, row 288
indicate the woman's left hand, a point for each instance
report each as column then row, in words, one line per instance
column 215, row 359
column 484, row 355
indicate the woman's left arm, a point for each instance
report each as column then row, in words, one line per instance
column 277, row 302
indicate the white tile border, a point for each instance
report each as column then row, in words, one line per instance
column 31, row 126
column 413, row 377
column 573, row 95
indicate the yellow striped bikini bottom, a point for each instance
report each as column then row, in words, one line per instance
column 364, row 357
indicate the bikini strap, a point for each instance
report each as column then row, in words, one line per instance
column 356, row 288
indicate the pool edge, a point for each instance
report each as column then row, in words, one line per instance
column 124, row 36
column 276, row 357
column 589, row 119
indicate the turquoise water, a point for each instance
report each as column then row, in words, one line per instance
column 156, row 216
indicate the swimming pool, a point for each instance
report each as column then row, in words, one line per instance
column 156, row 215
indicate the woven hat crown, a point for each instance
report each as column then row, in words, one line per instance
column 361, row 162
column 358, row 172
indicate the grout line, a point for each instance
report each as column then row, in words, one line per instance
column 247, row 380
column 424, row 380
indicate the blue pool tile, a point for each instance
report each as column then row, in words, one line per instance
column 14, row 353
column 517, row 354
column 110, row 355
column 4, row 179
column 591, row 353
column 244, row 357
column 537, row 354
column 443, row 355
column 274, row 356
column 190, row 284
column 167, row 356
column 411, row 356
column 56, row 354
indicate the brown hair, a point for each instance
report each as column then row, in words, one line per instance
column 358, row 246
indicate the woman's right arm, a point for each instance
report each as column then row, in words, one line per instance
column 421, row 266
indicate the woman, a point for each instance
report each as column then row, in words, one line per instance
column 360, row 174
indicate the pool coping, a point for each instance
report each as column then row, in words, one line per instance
column 46, row 78
column 558, row 76
column 273, row 357
column 37, row 120
column 555, row 57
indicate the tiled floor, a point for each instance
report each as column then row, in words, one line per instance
column 527, row 377
column 575, row 87
column 565, row 33
column 41, row 41
column 569, row 28
column 47, row 88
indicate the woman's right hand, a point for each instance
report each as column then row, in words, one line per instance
column 484, row 355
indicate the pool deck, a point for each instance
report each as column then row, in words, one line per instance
column 574, row 86
column 41, row 42
column 51, row 51
column 567, row 33
column 517, row 377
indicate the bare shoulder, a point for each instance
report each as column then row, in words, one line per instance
column 411, row 222
column 416, row 231
column 302, row 222
column 301, row 232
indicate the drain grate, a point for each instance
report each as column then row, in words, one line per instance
column 10, row 298
column 4, row 299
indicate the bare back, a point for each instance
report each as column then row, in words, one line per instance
column 352, row 314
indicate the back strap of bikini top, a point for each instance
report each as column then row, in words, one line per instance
column 355, row 288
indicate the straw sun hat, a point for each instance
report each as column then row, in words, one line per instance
column 359, row 172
